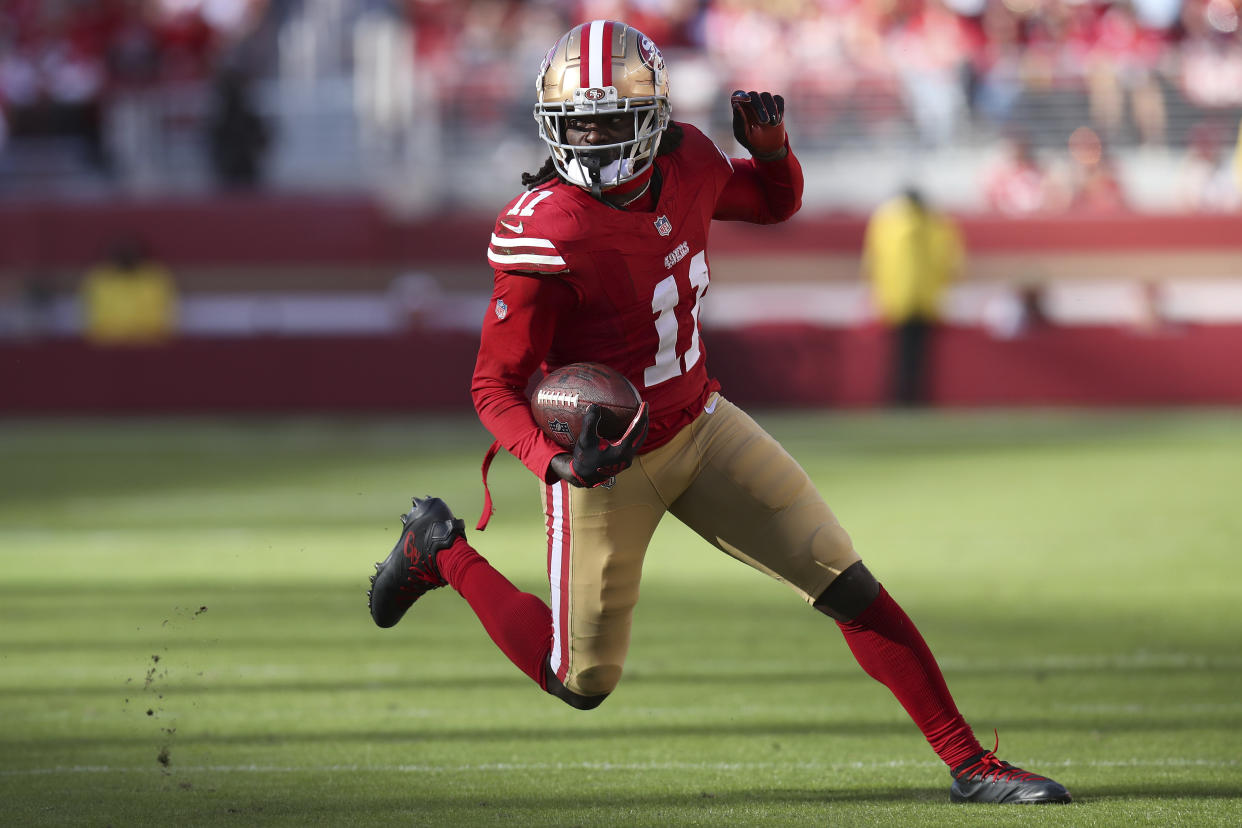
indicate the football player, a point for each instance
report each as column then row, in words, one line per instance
column 603, row 258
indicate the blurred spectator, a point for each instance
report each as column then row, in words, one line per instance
column 996, row 79
column 52, row 75
column 1206, row 180
column 27, row 306
column 931, row 50
column 129, row 299
column 188, row 43
column 1018, row 184
column 133, row 53
column 1088, row 175
column 1009, row 314
column 1122, row 69
column 1210, row 63
column 237, row 134
column 38, row 301
column 911, row 253
column 1149, row 317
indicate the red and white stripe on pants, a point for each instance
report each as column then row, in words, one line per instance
column 559, row 547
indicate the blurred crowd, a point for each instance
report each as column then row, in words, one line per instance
column 936, row 64
column 62, row 62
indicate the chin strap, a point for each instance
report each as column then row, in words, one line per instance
column 589, row 161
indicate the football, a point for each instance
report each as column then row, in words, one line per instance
column 562, row 397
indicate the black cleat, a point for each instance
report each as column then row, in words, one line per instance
column 985, row 778
column 410, row 569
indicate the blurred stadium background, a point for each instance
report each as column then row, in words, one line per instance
column 319, row 179
column 313, row 183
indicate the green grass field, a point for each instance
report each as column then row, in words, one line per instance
column 184, row 637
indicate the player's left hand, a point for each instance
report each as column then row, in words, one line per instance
column 759, row 123
column 595, row 460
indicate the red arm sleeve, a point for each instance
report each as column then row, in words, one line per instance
column 517, row 333
column 761, row 192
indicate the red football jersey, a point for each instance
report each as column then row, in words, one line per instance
column 578, row 280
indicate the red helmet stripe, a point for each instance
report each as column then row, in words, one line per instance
column 595, row 68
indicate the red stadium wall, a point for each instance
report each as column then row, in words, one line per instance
column 764, row 365
column 318, row 231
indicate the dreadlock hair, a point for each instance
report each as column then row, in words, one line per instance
column 671, row 141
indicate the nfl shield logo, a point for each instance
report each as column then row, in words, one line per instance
column 502, row 310
column 663, row 225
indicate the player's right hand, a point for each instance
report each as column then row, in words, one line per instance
column 759, row 123
column 595, row 461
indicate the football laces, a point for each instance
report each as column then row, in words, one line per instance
column 558, row 398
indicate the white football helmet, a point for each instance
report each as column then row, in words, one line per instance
column 603, row 67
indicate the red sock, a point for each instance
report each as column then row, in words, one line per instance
column 890, row 649
column 519, row 623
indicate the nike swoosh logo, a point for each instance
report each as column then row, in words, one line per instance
column 710, row 408
column 512, row 228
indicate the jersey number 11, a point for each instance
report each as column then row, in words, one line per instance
column 664, row 304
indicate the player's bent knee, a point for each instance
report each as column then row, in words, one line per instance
column 592, row 694
column 599, row 680
column 832, row 546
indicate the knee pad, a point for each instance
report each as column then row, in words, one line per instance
column 593, row 679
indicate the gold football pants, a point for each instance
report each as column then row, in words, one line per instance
column 725, row 478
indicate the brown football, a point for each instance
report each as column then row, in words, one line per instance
column 562, row 397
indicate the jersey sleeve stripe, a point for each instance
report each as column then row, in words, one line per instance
column 523, row 258
column 500, row 241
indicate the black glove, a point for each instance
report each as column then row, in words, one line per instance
column 759, row 123
column 595, row 460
